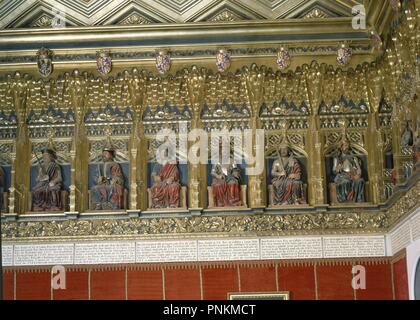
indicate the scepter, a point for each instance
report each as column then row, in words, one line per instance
column 281, row 160
column 41, row 166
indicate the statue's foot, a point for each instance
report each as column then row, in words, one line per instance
column 98, row 207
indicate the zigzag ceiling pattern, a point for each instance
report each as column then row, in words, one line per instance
column 47, row 13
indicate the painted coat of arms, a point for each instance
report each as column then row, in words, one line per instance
column 343, row 55
column 45, row 66
column 163, row 61
column 223, row 60
column 103, row 62
column 284, row 59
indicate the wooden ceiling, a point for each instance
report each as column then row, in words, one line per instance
column 40, row 13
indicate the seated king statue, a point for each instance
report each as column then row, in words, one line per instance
column 287, row 179
column 165, row 178
column 46, row 194
column 226, row 184
column 348, row 175
column 108, row 193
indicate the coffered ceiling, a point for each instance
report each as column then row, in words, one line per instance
column 44, row 13
column 192, row 30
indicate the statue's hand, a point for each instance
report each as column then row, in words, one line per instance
column 100, row 180
column 170, row 180
column 156, row 179
column 51, row 184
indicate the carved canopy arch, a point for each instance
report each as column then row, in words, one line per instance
column 120, row 147
column 343, row 106
column 354, row 147
column 298, row 152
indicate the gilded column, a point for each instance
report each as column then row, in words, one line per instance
column 374, row 162
column 254, row 81
column 12, row 194
column 396, row 145
column 197, row 173
column 142, row 173
column 78, row 86
column 19, row 91
column 138, row 144
column 72, row 196
column 316, row 172
column 375, row 141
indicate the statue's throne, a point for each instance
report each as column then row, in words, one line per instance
column 182, row 199
column 333, row 193
column 125, row 201
column 64, row 197
column 271, row 195
column 242, row 196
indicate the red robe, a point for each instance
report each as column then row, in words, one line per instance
column 165, row 193
column 220, row 192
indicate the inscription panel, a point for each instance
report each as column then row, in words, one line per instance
column 161, row 251
column 224, row 250
column 291, row 248
column 400, row 238
column 415, row 227
column 166, row 251
column 43, row 254
column 7, row 255
column 347, row 247
column 104, row 252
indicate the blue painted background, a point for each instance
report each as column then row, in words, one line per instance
column 7, row 172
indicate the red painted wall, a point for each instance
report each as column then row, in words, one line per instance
column 304, row 280
column 298, row 279
column 399, row 266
